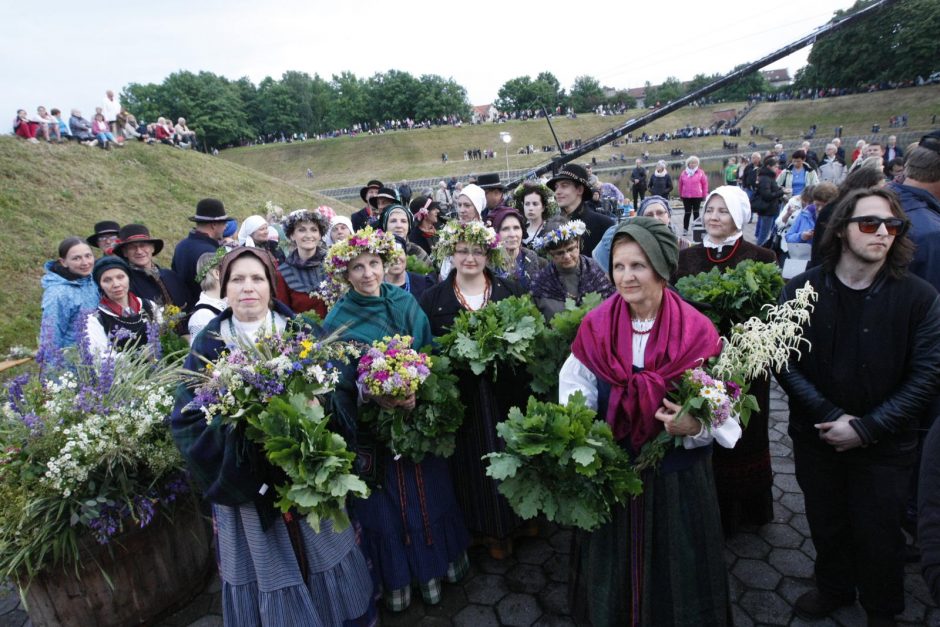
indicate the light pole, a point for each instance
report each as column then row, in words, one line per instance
column 506, row 137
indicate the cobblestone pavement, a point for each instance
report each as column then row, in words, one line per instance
column 768, row 568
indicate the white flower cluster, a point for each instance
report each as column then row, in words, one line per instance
column 125, row 433
column 756, row 346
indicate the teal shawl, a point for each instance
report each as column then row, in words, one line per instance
column 370, row 318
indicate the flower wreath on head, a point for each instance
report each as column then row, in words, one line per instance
column 532, row 187
column 306, row 215
column 327, row 212
column 365, row 240
column 474, row 233
column 565, row 232
column 214, row 263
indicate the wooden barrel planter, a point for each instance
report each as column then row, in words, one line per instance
column 153, row 570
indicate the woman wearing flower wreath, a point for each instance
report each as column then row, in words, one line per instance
column 302, row 270
column 537, row 204
column 571, row 274
column 275, row 568
column 659, row 561
column 520, row 263
column 742, row 474
column 411, row 527
column 398, row 221
column 470, row 285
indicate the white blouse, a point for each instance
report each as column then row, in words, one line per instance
column 576, row 377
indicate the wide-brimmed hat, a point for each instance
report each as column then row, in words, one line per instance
column 490, row 181
column 384, row 192
column 575, row 173
column 105, row 227
column 210, row 210
column 373, row 184
column 136, row 234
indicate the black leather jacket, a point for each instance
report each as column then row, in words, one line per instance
column 896, row 376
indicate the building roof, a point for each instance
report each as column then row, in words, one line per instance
column 483, row 109
column 776, row 76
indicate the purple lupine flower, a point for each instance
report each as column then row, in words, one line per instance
column 85, row 354
column 49, row 356
column 105, row 377
column 144, row 508
column 15, row 392
column 153, row 340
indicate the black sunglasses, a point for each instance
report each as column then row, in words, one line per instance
column 871, row 224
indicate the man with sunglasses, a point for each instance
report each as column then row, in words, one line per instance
column 920, row 198
column 857, row 393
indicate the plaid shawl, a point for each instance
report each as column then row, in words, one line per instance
column 548, row 283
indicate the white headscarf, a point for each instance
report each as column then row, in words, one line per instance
column 337, row 219
column 476, row 195
column 249, row 226
column 738, row 206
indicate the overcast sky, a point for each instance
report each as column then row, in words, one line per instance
column 66, row 54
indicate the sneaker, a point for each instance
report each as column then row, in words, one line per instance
column 814, row 605
column 33, row 140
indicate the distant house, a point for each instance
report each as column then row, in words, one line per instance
column 485, row 113
column 640, row 94
column 777, row 78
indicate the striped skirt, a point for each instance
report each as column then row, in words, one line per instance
column 262, row 583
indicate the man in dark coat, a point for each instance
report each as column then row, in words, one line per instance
column 638, row 178
column 364, row 217
column 495, row 190
column 148, row 280
column 210, row 222
column 572, row 193
column 857, row 391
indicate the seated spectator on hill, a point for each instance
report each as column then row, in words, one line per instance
column 48, row 125
column 102, row 131
column 63, row 127
column 183, row 133
column 148, row 280
column 127, row 126
column 122, row 318
column 210, row 303
column 163, row 132
column 25, row 128
column 81, row 128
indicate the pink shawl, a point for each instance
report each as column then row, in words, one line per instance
column 681, row 339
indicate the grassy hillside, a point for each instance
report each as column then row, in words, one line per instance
column 50, row 192
column 350, row 161
column 856, row 113
column 393, row 156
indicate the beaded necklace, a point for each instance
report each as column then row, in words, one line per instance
column 463, row 301
column 724, row 259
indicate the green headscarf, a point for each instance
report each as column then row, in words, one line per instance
column 656, row 240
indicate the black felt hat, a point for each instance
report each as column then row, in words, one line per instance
column 105, row 227
column 210, row 210
column 490, row 181
column 373, row 184
column 572, row 172
column 136, row 234
column 384, row 192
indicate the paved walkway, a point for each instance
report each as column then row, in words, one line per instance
column 769, row 568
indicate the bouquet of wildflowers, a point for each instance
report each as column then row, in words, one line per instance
column 269, row 388
column 86, row 452
column 717, row 391
column 390, row 368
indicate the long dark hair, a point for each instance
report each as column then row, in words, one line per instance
column 901, row 251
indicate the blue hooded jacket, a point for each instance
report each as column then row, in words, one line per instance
column 62, row 302
column 923, row 210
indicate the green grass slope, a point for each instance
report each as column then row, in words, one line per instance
column 393, row 156
column 350, row 161
column 48, row 192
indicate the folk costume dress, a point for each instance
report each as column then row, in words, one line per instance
column 553, row 286
column 275, row 569
column 486, row 511
column 412, row 529
column 743, row 474
column 659, row 561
